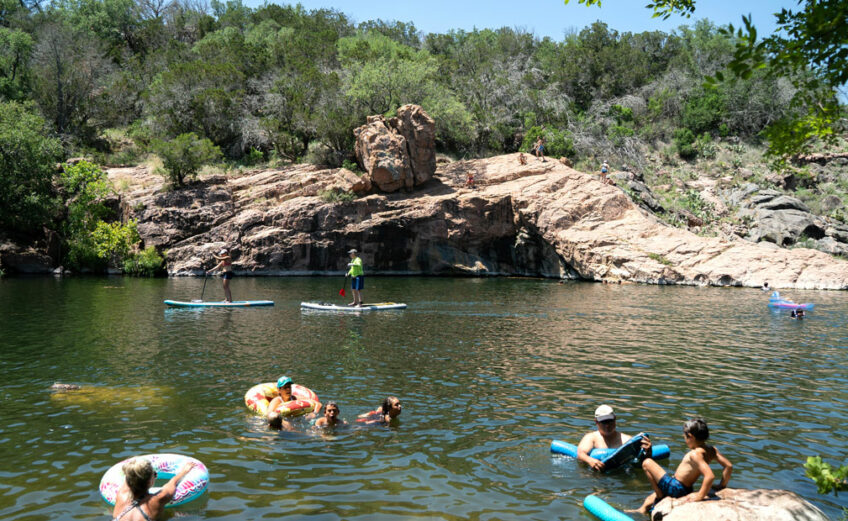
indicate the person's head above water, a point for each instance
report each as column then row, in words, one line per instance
column 391, row 406
column 605, row 419
column 284, row 385
column 140, row 476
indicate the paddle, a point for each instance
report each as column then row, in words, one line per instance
column 342, row 291
column 205, row 278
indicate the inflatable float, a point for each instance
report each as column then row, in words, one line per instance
column 328, row 306
column 613, row 458
column 603, row 511
column 776, row 302
column 166, row 467
column 219, row 304
column 259, row 397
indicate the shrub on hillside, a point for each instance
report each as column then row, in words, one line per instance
column 183, row 156
column 558, row 143
column 145, row 263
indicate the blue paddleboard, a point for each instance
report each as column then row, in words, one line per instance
column 220, row 304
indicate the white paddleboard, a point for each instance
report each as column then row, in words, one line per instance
column 328, row 306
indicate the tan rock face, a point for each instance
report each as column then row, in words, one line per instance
column 539, row 219
column 741, row 505
column 399, row 152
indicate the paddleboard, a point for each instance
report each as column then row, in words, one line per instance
column 329, row 306
column 602, row 510
column 219, row 304
column 569, row 449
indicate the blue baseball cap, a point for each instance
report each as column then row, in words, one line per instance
column 283, row 381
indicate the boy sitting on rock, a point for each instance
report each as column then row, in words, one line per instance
column 695, row 463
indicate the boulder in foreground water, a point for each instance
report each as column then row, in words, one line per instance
column 741, row 505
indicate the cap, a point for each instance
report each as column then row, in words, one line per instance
column 283, row 381
column 223, row 252
column 604, row 412
column 352, row 250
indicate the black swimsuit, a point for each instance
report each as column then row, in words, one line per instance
column 129, row 508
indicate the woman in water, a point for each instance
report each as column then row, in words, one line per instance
column 134, row 501
column 225, row 264
column 388, row 411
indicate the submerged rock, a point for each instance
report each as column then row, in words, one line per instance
column 741, row 505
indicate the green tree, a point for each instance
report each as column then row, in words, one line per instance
column 15, row 50
column 27, row 164
column 184, row 155
column 808, row 47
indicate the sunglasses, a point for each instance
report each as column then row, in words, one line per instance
column 607, row 422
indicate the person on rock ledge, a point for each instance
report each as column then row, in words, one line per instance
column 357, row 276
column 696, row 463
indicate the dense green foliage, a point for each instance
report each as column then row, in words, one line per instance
column 27, row 164
column 827, row 478
column 292, row 84
column 94, row 239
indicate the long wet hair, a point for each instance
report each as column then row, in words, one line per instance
column 387, row 404
column 138, row 472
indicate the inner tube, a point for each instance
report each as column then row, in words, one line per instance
column 603, row 511
column 563, row 447
column 166, row 466
column 788, row 304
column 258, row 397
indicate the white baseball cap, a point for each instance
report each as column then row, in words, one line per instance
column 604, row 412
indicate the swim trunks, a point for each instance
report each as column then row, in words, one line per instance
column 671, row 487
column 227, row 275
column 358, row 282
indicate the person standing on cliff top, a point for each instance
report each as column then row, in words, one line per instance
column 357, row 276
column 225, row 264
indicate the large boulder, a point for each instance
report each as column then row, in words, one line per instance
column 399, row 152
column 383, row 154
column 419, row 130
column 740, row 505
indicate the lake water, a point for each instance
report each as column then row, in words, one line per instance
column 489, row 372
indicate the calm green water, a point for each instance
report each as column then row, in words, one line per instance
column 489, row 372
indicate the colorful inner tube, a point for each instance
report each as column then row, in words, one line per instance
column 259, row 397
column 166, row 467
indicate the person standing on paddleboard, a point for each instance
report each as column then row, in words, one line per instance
column 357, row 276
column 225, row 264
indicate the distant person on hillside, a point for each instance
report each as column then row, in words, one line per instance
column 469, row 179
column 540, row 148
column 766, row 286
column 605, row 437
column 604, row 171
column 134, row 501
column 522, row 159
column 357, row 275
column 695, row 463
column 388, row 411
column 225, row 264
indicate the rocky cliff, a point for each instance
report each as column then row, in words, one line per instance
column 539, row 219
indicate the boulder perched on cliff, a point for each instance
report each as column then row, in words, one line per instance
column 741, row 505
column 399, row 152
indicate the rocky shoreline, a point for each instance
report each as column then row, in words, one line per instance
column 540, row 219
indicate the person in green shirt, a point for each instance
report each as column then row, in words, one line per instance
column 357, row 276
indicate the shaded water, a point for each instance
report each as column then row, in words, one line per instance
column 489, row 372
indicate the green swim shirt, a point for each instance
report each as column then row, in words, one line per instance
column 355, row 267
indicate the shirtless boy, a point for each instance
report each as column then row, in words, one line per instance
column 330, row 418
column 695, row 463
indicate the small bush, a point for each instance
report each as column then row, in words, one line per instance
column 253, row 157
column 659, row 258
column 353, row 166
column 558, row 143
column 684, row 141
column 183, row 156
column 145, row 263
column 336, row 195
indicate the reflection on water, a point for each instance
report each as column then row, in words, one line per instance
column 489, row 372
